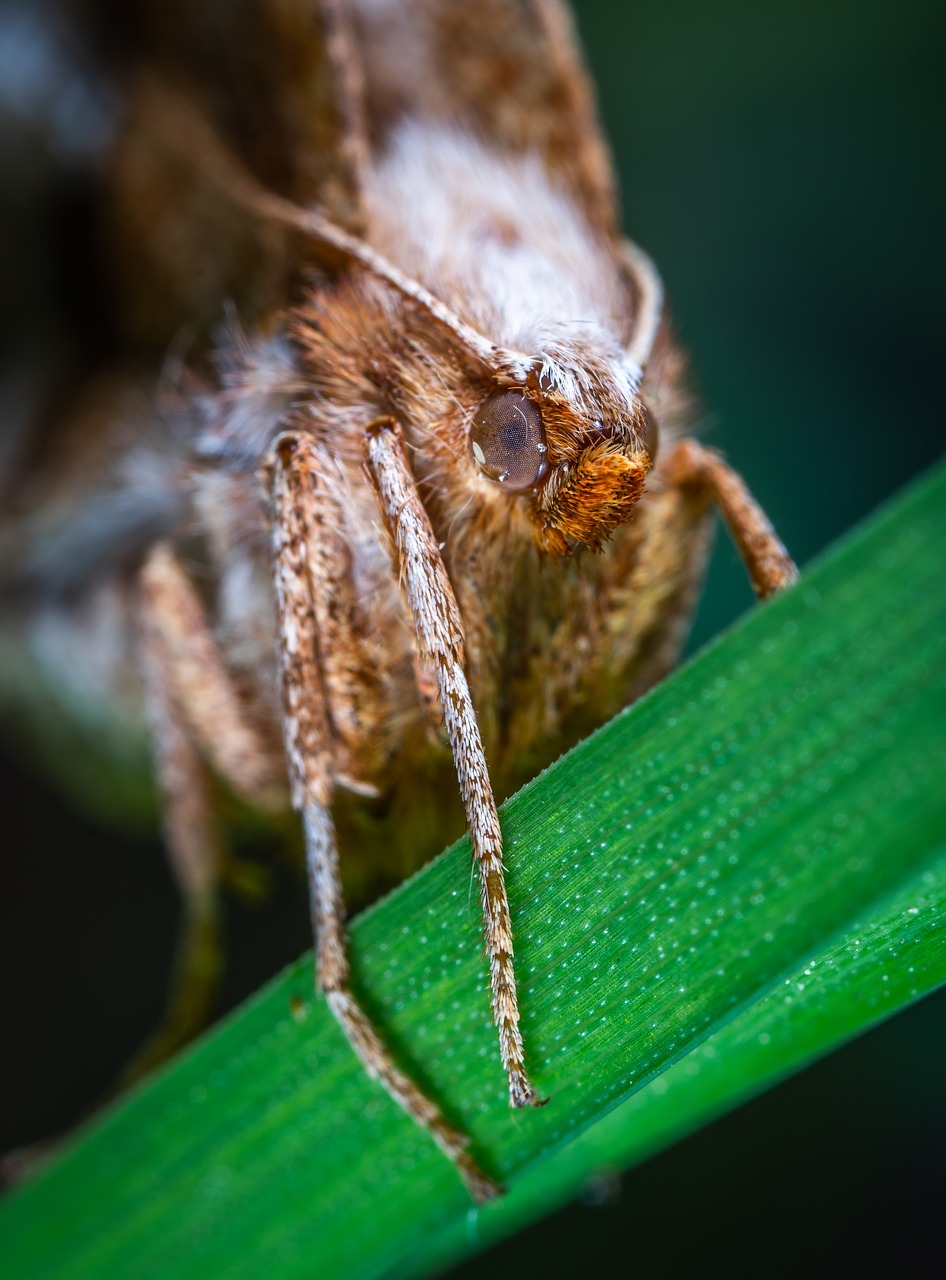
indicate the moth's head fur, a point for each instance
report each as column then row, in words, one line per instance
column 499, row 342
column 562, row 441
column 512, row 256
column 595, row 441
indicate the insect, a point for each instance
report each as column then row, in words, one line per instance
column 380, row 471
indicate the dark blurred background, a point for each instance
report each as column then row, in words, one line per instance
column 783, row 164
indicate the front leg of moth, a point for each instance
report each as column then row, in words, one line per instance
column 770, row 567
column 303, row 593
column 439, row 631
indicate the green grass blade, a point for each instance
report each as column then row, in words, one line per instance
column 892, row 956
column 779, row 797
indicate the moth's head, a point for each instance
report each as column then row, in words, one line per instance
column 573, row 440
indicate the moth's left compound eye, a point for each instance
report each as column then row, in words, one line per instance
column 508, row 441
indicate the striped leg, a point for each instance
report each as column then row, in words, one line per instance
column 195, row 715
column 303, row 593
column 768, row 564
column 439, row 631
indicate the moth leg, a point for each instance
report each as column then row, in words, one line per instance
column 439, row 631
column 195, row 855
column 310, row 756
column 767, row 562
column 203, row 689
column 191, row 703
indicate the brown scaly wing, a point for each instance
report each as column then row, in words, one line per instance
column 159, row 249
column 278, row 79
column 511, row 69
column 278, row 84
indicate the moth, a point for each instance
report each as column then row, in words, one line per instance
column 372, row 490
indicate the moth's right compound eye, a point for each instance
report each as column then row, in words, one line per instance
column 507, row 440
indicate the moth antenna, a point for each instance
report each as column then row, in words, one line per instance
column 649, row 289
column 318, row 227
column 219, row 163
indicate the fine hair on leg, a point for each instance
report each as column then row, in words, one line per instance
column 293, row 475
column 767, row 562
column 439, row 632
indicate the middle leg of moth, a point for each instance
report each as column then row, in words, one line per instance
column 303, row 594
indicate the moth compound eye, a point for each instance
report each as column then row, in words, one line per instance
column 508, row 441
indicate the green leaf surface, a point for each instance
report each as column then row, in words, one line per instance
column 893, row 955
column 743, row 870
